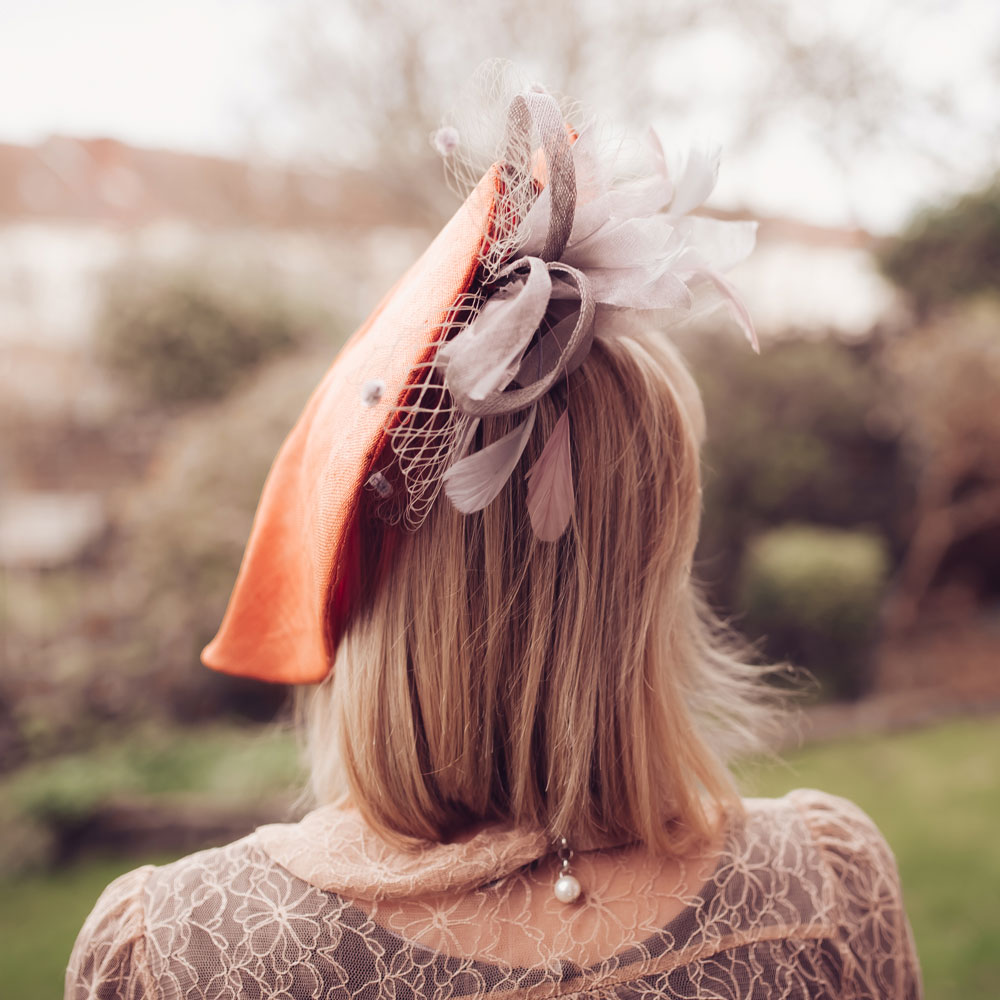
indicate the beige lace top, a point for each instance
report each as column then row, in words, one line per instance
column 800, row 898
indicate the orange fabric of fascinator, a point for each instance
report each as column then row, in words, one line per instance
column 302, row 561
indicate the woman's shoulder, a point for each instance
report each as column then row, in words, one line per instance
column 840, row 830
column 230, row 911
column 111, row 944
column 821, row 811
column 860, row 865
column 134, row 911
column 829, row 843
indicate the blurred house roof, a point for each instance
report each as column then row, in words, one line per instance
column 106, row 181
column 803, row 276
column 777, row 229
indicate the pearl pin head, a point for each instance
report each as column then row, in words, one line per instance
column 567, row 888
column 372, row 391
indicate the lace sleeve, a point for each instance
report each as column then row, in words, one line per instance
column 108, row 959
column 876, row 941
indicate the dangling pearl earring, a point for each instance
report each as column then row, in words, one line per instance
column 567, row 888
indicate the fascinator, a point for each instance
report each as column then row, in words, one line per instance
column 546, row 253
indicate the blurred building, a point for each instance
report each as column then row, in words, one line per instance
column 72, row 209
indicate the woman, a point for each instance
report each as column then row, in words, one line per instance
column 520, row 734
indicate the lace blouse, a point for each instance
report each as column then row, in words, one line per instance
column 800, row 899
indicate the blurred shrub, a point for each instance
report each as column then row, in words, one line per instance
column 948, row 253
column 815, row 593
column 70, row 792
column 46, row 805
column 180, row 334
column 183, row 537
column 805, row 432
column 42, row 805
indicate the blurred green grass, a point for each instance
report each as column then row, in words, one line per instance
column 40, row 916
column 935, row 793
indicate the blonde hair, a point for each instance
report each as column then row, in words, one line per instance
column 579, row 686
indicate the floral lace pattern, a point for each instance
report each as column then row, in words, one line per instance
column 800, row 900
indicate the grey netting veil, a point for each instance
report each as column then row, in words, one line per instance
column 572, row 249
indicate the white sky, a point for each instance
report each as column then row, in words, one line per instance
column 200, row 75
column 175, row 73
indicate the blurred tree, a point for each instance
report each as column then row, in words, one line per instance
column 375, row 76
column 114, row 638
column 369, row 79
column 946, row 382
column 183, row 536
column 948, row 253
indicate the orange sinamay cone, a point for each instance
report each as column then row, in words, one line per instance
column 303, row 562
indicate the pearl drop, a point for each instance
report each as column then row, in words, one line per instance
column 567, row 889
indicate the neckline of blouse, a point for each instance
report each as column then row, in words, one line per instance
column 335, row 850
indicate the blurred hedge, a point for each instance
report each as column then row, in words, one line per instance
column 48, row 807
column 815, row 593
column 179, row 333
column 184, row 532
column 805, row 432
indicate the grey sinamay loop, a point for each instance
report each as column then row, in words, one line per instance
column 562, row 174
column 542, row 110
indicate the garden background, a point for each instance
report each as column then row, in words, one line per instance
column 199, row 202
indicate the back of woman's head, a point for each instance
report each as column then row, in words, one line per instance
column 578, row 685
